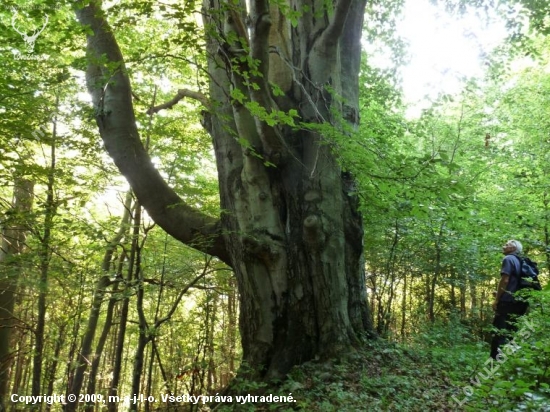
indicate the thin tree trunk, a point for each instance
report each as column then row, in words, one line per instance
column 453, row 288
column 546, row 203
column 212, row 377
column 404, row 309
column 72, row 355
column 24, row 352
column 162, row 370
column 463, row 286
column 55, row 361
column 99, row 294
column 232, row 320
column 143, row 327
column 45, row 255
column 473, row 297
column 12, row 246
column 107, row 326
column 18, row 375
column 391, row 273
column 26, row 367
column 431, row 303
column 437, row 271
column 157, row 316
column 150, row 370
column 83, row 356
column 201, row 366
column 123, row 319
column 138, row 367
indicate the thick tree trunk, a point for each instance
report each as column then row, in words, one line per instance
column 291, row 229
column 294, row 235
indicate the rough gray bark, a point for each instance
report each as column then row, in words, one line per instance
column 291, row 229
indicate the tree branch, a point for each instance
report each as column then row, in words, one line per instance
column 325, row 47
column 159, row 322
column 182, row 93
column 109, row 85
column 351, row 42
column 333, row 32
column 258, row 87
column 259, row 45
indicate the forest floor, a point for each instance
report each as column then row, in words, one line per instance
column 382, row 376
column 385, row 376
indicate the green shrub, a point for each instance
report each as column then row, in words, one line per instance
column 519, row 380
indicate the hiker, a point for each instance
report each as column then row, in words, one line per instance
column 506, row 307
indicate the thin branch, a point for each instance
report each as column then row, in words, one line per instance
column 182, row 93
column 183, row 292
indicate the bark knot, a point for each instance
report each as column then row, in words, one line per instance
column 313, row 230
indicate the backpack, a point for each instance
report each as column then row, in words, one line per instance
column 528, row 276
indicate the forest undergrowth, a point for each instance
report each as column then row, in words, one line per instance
column 444, row 368
column 382, row 376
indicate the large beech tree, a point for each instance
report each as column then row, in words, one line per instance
column 283, row 77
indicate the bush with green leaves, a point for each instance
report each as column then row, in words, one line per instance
column 443, row 332
column 519, row 379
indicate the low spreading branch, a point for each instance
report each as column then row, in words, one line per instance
column 109, row 86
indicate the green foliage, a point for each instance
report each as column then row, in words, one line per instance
column 442, row 192
column 520, row 378
column 437, row 200
column 444, row 333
